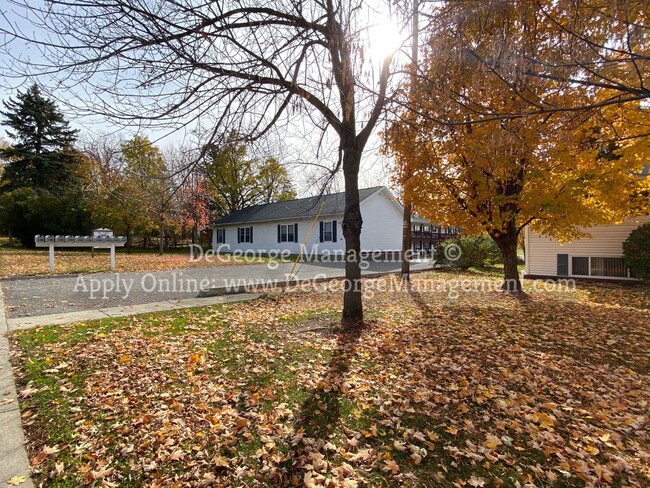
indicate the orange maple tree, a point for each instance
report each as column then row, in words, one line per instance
column 486, row 143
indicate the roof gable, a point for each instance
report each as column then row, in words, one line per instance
column 415, row 218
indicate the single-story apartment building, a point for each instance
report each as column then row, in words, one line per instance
column 597, row 257
column 315, row 222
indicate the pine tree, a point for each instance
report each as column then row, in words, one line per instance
column 42, row 157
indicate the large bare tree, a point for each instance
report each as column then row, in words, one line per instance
column 245, row 65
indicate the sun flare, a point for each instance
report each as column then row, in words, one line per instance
column 384, row 39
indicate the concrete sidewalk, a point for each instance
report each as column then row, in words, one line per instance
column 112, row 312
column 13, row 456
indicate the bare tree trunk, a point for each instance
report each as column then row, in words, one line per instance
column 408, row 208
column 406, row 241
column 129, row 239
column 510, row 271
column 352, row 221
column 161, row 238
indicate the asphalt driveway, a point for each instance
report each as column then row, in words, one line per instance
column 33, row 296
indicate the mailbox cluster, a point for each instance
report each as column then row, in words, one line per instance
column 105, row 241
column 80, row 239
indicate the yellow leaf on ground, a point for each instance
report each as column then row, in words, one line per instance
column 492, row 442
column 221, row 462
column 452, row 430
column 16, row 480
column 476, row 482
column 391, row 465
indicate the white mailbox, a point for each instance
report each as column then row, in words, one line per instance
column 102, row 233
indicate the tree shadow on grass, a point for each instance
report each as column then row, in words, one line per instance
column 323, row 409
column 418, row 300
column 426, row 309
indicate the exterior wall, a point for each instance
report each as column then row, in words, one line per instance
column 265, row 237
column 606, row 241
column 382, row 223
column 381, row 231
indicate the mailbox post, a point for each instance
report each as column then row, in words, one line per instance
column 51, row 256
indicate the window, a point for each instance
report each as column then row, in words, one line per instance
column 604, row 267
column 287, row 232
column 611, row 267
column 221, row 236
column 580, row 266
column 563, row 265
column 245, row 234
column 328, row 231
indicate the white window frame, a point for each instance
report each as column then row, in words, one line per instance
column 287, row 233
column 245, row 234
column 331, row 231
column 591, row 275
column 221, row 236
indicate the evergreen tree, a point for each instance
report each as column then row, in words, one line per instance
column 40, row 188
column 41, row 156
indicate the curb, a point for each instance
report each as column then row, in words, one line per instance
column 13, row 455
column 22, row 323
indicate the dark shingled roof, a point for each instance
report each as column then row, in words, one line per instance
column 334, row 203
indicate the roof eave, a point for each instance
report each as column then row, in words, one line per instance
column 216, row 224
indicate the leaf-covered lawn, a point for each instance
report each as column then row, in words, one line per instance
column 551, row 389
column 18, row 261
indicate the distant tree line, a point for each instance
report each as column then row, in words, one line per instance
column 53, row 182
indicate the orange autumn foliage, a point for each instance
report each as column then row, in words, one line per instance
column 487, row 143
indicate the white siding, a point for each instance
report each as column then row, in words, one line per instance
column 606, row 241
column 381, row 231
column 265, row 237
column 382, row 223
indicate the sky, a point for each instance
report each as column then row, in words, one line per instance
column 288, row 143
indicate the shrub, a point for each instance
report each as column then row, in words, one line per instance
column 476, row 252
column 636, row 250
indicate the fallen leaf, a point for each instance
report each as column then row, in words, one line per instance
column 16, row 480
column 391, row 465
column 476, row 482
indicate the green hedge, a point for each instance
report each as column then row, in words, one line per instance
column 636, row 250
column 475, row 252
